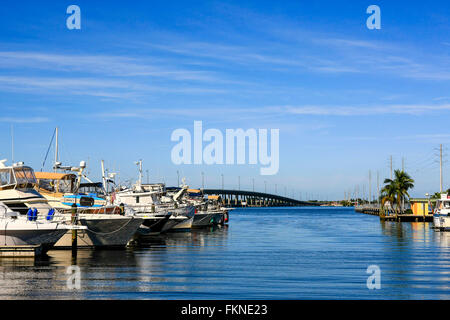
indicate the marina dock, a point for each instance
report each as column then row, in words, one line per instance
column 390, row 215
column 23, row 251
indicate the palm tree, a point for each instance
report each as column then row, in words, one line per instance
column 404, row 182
column 388, row 193
column 396, row 191
column 436, row 195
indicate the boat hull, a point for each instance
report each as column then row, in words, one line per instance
column 152, row 226
column 436, row 221
column 443, row 224
column 182, row 224
column 43, row 235
column 202, row 219
column 103, row 233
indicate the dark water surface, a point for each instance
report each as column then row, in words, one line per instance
column 285, row 253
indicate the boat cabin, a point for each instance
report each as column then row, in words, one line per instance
column 443, row 203
column 17, row 177
column 56, row 183
column 64, row 186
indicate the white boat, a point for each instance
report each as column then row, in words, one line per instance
column 103, row 231
column 208, row 212
column 441, row 215
column 17, row 192
column 161, row 212
column 181, row 219
column 17, row 230
column 144, row 200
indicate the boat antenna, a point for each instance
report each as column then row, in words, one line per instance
column 139, row 163
column 12, row 143
column 48, row 150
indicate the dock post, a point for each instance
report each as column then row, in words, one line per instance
column 74, row 232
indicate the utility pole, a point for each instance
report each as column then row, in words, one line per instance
column 222, row 181
column 440, row 167
column 148, row 178
column 178, row 178
column 403, row 164
column 378, row 187
column 239, row 183
column 370, row 187
column 391, row 167
column 253, row 180
column 203, row 180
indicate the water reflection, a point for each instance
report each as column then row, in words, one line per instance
column 196, row 238
column 293, row 253
column 163, row 263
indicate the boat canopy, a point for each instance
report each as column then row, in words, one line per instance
column 55, row 176
column 22, row 176
column 56, row 182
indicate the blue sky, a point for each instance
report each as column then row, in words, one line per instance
column 344, row 97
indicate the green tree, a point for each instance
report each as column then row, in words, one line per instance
column 388, row 193
column 396, row 191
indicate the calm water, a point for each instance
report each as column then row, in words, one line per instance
column 286, row 253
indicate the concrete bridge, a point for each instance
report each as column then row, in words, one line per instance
column 239, row 198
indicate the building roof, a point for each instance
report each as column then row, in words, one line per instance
column 54, row 176
column 421, row 200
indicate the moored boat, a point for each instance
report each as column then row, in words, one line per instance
column 441, row 214
column 17, row 230
column 18, row 192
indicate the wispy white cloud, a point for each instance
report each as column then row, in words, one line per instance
column 99, row 87
column 19, row 119
column 122, row 66
column 360, row 111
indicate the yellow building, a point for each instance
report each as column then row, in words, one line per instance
column 419, row 206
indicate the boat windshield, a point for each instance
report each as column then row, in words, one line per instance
column 6, row 177
column 446, row 204
column 63, row 186
column 24, row 176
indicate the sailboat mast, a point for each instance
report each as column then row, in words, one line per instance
column 105, row 185
column 56, row 148
column 140, row 172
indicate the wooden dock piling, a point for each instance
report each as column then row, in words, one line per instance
column 74, row 231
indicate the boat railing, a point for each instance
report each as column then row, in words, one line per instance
column 146, row 208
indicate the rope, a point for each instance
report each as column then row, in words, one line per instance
column 48, row 150
column 106, row 233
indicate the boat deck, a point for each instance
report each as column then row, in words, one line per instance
column 20, row 251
